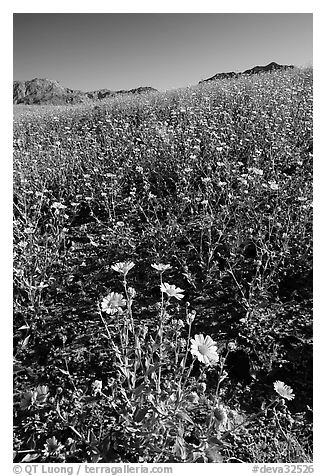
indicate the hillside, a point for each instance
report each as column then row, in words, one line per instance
column 163, row 276
column 255, row 70
column 47, row 91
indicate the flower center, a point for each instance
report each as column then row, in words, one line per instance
column 203, row 349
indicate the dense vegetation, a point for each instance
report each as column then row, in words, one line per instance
column 214, row 181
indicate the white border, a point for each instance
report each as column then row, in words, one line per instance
column 168, row 6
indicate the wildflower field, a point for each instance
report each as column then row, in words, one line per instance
column 163, row 276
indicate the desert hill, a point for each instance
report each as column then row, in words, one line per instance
column 47, row 91
column 255, row 70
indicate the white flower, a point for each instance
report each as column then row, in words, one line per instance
column 283, row 390
column 113, row 303
column 123, row 267
column 172, row 290
column 204, row 348
column 161, row 267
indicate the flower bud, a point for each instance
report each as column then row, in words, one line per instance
column 131, row 292
column 191, row 317
column 232, row 346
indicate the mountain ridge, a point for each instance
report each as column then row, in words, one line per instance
column 273, row 66
column 47, row 91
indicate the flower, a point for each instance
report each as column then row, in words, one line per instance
column 284, row 390
column 204, row 348
column 172, row 290
column 232, row 346
column 123, row 267
column 113, row 303
column 161, row 267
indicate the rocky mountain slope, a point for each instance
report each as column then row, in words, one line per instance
column 47, row 91
column 255, row 70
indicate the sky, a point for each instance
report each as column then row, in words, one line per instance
column 166, row 51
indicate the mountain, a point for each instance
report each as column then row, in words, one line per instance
column 44, row 91
column 231, row 74
column 47, row 91
column 255, row 70
column 269, row 67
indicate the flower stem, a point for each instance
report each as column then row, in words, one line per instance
column 187, row 352
column 160, row 335
column 219, row 381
